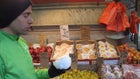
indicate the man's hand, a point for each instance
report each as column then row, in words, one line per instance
column 60, row 66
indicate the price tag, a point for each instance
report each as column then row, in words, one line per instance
column 85, row 32
column 64, row 31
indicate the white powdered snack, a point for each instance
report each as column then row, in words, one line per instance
column 63, row 62
column 36, row 46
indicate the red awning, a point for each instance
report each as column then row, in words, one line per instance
column 63, row 1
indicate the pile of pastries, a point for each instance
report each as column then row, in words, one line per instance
column 106, row 50
column 62, row 50
column 86, row 51
column 125, row 71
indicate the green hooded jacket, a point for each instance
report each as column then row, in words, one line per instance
column 15, row 59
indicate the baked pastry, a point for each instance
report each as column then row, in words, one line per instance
column 92, row 51
column 65, row 45
column 103, row 55
column 70, row 49
column 101, row 43
column 85, row 50
column 79, row 51
column 92, row 56
column 57, row 47
column 79, row 46
column 102, row 51
column 102, row 47
column 79, row 56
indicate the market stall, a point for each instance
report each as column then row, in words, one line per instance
column 95, row 53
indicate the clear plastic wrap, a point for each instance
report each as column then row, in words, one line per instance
column 131, row 71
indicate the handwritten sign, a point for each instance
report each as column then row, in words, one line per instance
column 64, row 31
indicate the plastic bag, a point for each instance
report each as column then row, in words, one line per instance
column 107, row 14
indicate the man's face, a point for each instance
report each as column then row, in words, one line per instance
column 21, row 25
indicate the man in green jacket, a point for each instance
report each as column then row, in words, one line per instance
column 15, row 59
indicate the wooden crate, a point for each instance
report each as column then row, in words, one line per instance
column 109, row 60
column 73, row 55
column 85, row 42
column 58, row 43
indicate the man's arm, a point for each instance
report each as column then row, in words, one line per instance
column 2, row 69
